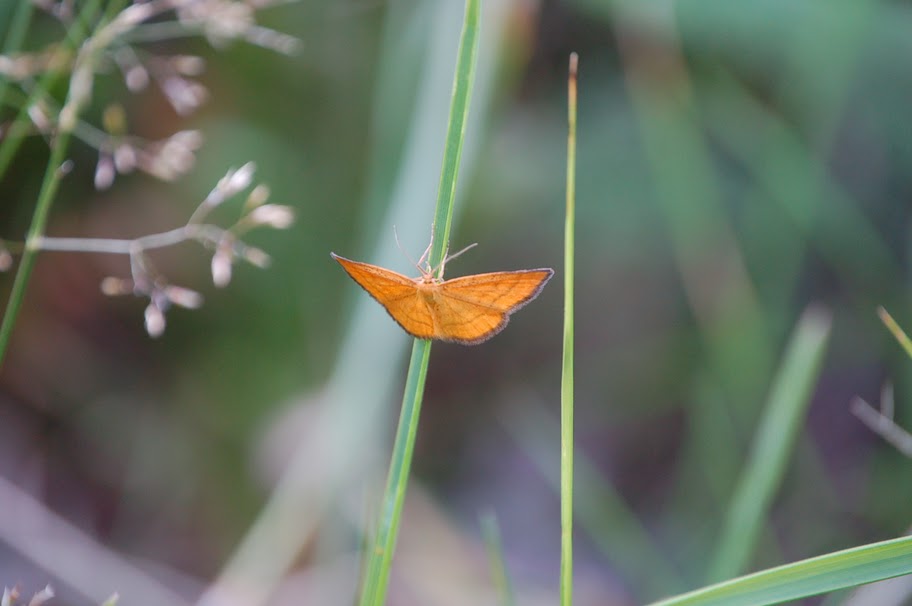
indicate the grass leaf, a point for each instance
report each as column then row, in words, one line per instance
column 822, row 574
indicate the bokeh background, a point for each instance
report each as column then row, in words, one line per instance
column 738, row 162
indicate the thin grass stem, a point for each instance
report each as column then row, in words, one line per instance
column 49, row 185
column 381, row 556
column 566, row 569
column 896, row 330
column 162, row 30
column 208, row 234
column 881, row 422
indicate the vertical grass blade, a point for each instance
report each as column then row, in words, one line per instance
column 775, row 439
column 456, row 128
column 490, row 530
column 381, row 555
column 566, row 570
column 384, row 544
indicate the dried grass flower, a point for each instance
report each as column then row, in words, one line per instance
column 11, row 596
column 114, row 44
column 145, row 281
column 172, row 157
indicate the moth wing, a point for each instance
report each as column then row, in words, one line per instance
column 505, row 291
column 472, row 309
column 395, row 292
column 465, row 322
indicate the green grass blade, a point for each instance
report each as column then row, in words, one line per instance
column 814, row 576
column 490, row 530
column 775, row 440
column 566, row 569
column 452, row 152
column 49, row 185
column 381, row 556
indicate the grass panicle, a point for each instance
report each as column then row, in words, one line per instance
column 91, row 36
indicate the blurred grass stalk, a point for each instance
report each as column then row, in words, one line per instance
column 734, row 329
column 777, row 433
column 688, row 191
column 490, row 531
column 381, row 556
column 566, row 567
column 791, row 174
column 85, row 565
column 880, row 421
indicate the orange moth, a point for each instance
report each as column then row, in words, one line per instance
column 467, row 310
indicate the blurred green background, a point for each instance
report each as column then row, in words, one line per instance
column 737, row 163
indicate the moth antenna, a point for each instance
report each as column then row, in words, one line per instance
column 424, row 256
column 405, row 252
column 438, row 271
column 449, row 257
column 456, row 254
